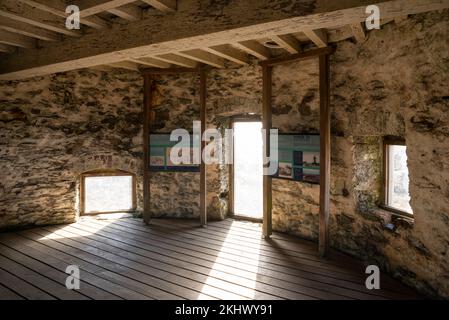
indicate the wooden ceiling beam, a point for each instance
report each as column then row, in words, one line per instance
column 254, row 48
column 287, row 42
column 228, row 53
column 28, row 30
column 318, row 36
column 17, row 40
column 24, row 13
column 203, row 57
column 359, row 32
column 157, row 35
column 162, row 5
column 152, row 62
column 125, row 65
column 177, row 60
column 130, row 12
column 90, row 7
column 58, row 7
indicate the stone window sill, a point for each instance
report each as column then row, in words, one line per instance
column 393, row 220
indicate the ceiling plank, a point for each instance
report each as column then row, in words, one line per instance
column 288, row 42
column 253, row 48
column 203, row 57
column 26, row 14
column 152, row 62
column 91, row 7
column 157, row 35
column 17, row 40
column 7, row 48
column 58, row 7
column 318, row 36
column 359, row 32
column 229, row 53
column 125, row 65
column 28, row 30
column 131, row 13
column 162, row 5
column 178, row 60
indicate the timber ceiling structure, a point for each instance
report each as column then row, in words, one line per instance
column 133, row 34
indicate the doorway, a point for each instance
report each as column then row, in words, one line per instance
column 247, row 173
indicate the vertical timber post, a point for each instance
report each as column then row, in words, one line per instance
column 147, row 122
column 266, row 122
column 325, row 157
column 203, row 190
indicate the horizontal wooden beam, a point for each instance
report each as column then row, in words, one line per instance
column 130, row 12
column 191, row 28
column 17, row 40
column 298, row 57
column 254, row 48
column 162, row 5
column 358, row 31
column 90, row 7
column 178, row 60
column 203, row 57
column 151, row 62
column 288, row 42
column 28, row 30
column 26, row 14
column 228, row 53
column 319, row 37
column 125, row 65
column 58, row 8
column 149, row 71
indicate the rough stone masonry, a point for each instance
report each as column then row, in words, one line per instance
column 396, row 83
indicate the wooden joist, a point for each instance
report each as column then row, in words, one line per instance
column 177, row 60
column 162, row 5
column 58, row 8
column 17, row 40
column 242, row 21
column 26, row 14
column 28, row 30
column 91, row 7
column 254, row 48
column 288, row 42
column 319, row 37
column 151, row 62
column 125, row 65
column 359, row 32
column 129, row 12
column 228, row 53
column 203, row 57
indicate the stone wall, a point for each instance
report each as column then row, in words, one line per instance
column 54, row 128
column 395, row 83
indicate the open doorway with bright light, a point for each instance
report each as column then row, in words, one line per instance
column 247, row 173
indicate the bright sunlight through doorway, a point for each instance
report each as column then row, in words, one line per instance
column 248, row 169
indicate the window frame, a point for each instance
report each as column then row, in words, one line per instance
column 107, row 173
column 389, row 141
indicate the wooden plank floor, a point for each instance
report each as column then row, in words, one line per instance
column 176, row 259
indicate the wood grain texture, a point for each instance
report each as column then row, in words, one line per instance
column 175, row 259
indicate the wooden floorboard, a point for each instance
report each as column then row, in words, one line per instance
column 176, row 259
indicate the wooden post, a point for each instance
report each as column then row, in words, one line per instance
column 266, row 123
column 147, row 119
column 325, row 150
column 203, row 190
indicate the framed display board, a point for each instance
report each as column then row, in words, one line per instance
column 299, row 157
column 160, row 149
